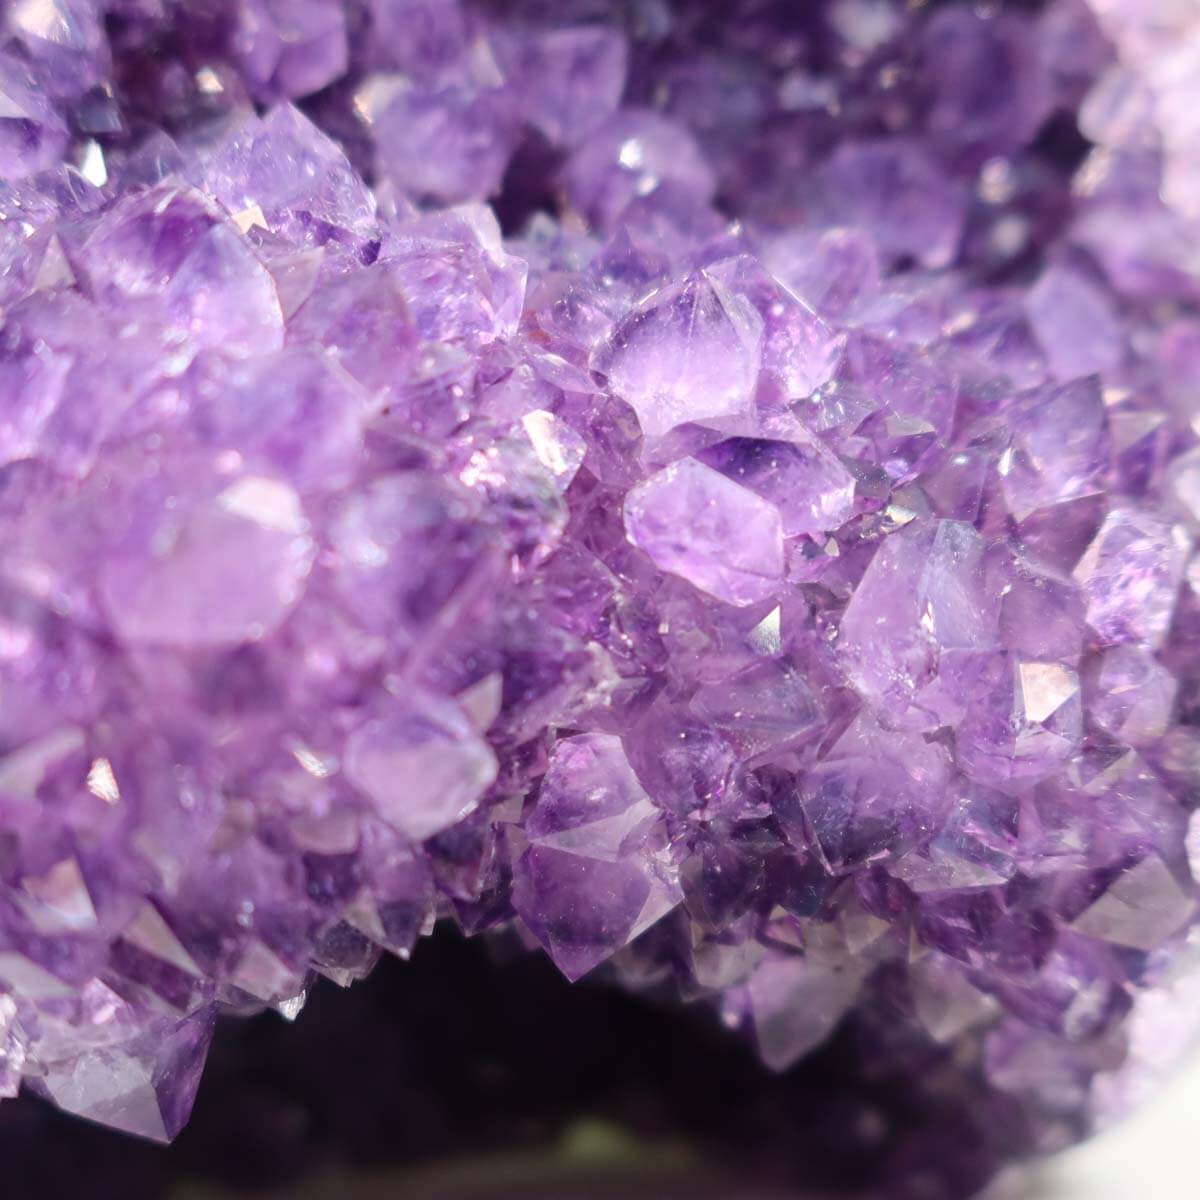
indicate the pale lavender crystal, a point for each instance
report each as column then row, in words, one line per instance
column 800, row 350
column 991, row 86
column 831, row 272
column 32, row 134
column 693, row 522
column 1059, row 446
column 1130, row 576
column 810, row 487
column 796, row 1003
column 874, row 795
column 1075, row 323
column 1142, row 908
column 290, row 48
column 280, row 175
column 632, row 155
column 896, row 192
column 12, row 1049
column 598, row 871
column 708, row 490
column 392, row 575
column 447, row 143
column 762, row 711
column 1023, row 720
column 422, row 764
column 690, row 352
column 1134, row 695
column 160, row 581
column 924, row 597
column 570, row 79
column 169, row 252
column 143, row 1086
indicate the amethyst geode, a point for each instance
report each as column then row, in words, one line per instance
column 754, row 556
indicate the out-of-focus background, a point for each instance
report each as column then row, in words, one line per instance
column 455, row 1077
column 1154, row 1155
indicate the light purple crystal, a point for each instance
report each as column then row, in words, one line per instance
column 711, row 491
column 896, row 193
column 693, row 522
column 1075, row 323
column 810, row 487
column 160, row 582
column 924, row 598
column 1130, row 577
column 597, row 871
column 421, row 764
column 690, row 352
column 571, row 80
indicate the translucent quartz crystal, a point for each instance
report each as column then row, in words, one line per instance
column 707, row 491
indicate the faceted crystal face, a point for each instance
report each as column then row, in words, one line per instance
column 1029, row 725
column 800, row 349
column 690, row 352
column 1134, row 695
column 391, row 571
column 160, row 583
column 1140, row 910
column 796, row 1004
column 874, row 796
column 1060, row 443
column 422, row 764
column 1130, row 577
column 693, row 522
column 924, row 596
column 1075, row 323
column 707, row 490
column 144, row 1086
column 895, row 191
column 217, row 292
column 282, row 175
column 33, row 135
column 812, row 490
column 596, row 873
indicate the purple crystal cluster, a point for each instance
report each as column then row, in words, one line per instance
column 710, row 488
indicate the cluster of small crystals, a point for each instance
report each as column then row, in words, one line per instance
column 710, row 488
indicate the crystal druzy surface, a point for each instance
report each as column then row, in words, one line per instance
column 709, row 490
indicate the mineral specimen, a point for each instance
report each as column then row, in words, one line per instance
column 709, row 490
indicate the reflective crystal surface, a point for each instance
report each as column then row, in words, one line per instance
column 707, row 491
